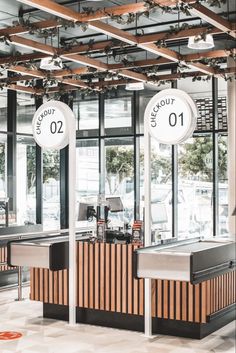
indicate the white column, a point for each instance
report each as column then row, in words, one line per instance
column 72, row 236
column 147, row 232
column 231, row 88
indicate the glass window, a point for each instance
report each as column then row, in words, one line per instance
column 118, row 116
column 25, row 181
column 195, row 185
column 87, row 115
column 25, row 112
column 51, row 189
column 161, row 189
column 87, row 176
column 201, row 92
column 3, row 110
column 119, row 178
column 3, row 166
column 223, row 184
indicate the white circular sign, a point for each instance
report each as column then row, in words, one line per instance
column 171, row 116
column 51, row 125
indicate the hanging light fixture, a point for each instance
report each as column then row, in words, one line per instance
column 199, row 43
column 134, row 86
column 49, row 63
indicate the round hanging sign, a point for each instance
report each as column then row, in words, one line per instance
column 51, row 125
column 171, row 116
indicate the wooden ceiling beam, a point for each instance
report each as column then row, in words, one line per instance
column 100, row 14
column 211, row 17
column 84, row 60
column 24, row 89
column 19, row 29
column 40, row 74
column 182, row 34
column 114, row 32
column 213, row 54
column 64, row 12
column 33, row 45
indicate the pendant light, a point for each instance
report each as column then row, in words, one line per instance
column 49, row 63
column 134, row 86
column 199, row 43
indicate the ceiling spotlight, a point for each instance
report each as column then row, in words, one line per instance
column 51, row 63
column 134, row 86
column 199, row 43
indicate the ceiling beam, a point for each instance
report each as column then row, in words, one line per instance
column 32, row 44
column 62, row 11
column 100, row 14
column 211, row 17
column 182, row 34
column 24, row 89
column 19, row 29
column 81, row 59
column 41, row 74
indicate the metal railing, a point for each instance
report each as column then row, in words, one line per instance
column 19, row 285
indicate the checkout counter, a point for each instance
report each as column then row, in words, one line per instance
column 193, row 283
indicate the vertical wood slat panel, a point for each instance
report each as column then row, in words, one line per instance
column 172, row 300
column 203, row 302
column 55, row 287
column 66, row 288
column 36, row 288
column 80, row 259
column 154, row 298
column 208, row 294
column 217, row 293
column 118, row 278
column 108, row 278
column 45, row 285
column 197, row 303
column 159, row 298
column 190, row 303
column 41, row 287
column 60, row 287
column 113, row 277
column 96, row 277
column 32, row 284
column 184, row 301
column 102, row 277
column 50, row 284
column 141, row 297
column 135, row 291
column 177, row 301
column 225, row 291
column 130, row 280
column 165, row 299
column 220, row 291
column 86, row 275
column 91, row 276
column 124, row 279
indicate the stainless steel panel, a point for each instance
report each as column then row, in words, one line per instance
column 164, row 266
column 30, row 256
column 185, row 261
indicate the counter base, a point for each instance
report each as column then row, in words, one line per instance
column 136, row 322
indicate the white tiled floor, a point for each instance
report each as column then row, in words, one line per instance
column 50, row 336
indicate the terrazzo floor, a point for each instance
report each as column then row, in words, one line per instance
column 49, row 336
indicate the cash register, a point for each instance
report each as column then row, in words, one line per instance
column 87, row 212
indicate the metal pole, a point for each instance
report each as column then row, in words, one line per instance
column 20, row 298
column 147, row 234
column 72, row 237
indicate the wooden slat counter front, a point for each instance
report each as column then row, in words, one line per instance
column 108, row 294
